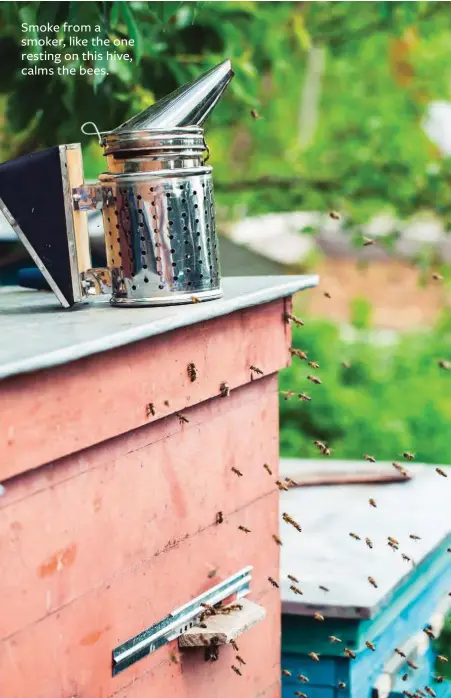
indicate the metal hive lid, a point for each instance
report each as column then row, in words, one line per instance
column 189, row 105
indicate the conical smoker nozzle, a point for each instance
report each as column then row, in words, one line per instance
column 189, row 105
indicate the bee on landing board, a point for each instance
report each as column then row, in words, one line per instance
column 234, row 645
column 181, row 417
column 240, row 659
column 256, row 370
column 236, row 670
column 267, row 468
column 276, row 539
column 236, row 471
column 192, row 372
column 150, row 409
column 219, row 517
column 224, row 390
column 282, row 485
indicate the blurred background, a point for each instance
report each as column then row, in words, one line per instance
column 331, row 110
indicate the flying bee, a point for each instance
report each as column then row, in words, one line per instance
column 293, row 578
column 236, row 471
column 414, row 537
column 430, row 691
column 291, row 521
column 355, row 536
column 300, row 354
column 150, row 409
column 367, row 241
column 373, row 502
column 335, row 215
column 314, row 656
column 349, row 653
column 412, row 664
column 287, row 394
column 419, row 692
column 255, row 115
column 276, row 539
column 441, row 472
column 281, row 485
column 304, row 397
column 234, row 645
column 290, row 482
column 392, row 545
column 400, row 652
column 323, row 588
column 446, row 365
column 346, row 364
column 296, row 590
column 438, row 679
column 236, row 670
column 372, row 581
column 370, row 459
column 314, row 379
column 166, row 402
column 285, row 672
column 334, row 640
column 195, row 299
column 442, row 659
column 341, row 684
column 181, row 417
column 256, row 370
column 300, row 694
column 370, row 646
column 219, row 517
column 326, row 451
column 429, row 633
column 224, row 390
column 267, row 468
column 297, row 321
column 400, row 468
column 302, row 678
column 240, row 659
column 319, row 445
column 408, row 694
column 273, row 582
column 313, row 364
column 406, row 557
column 192, row 372
column 408, row 456
column 318, row 616
column 244, row 529
column 437, row 277
column 369, row 542
column 327, row 294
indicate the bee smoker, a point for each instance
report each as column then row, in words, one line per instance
column 157, row 205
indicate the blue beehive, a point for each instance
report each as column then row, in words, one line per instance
column 411, row 592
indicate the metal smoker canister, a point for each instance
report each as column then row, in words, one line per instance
column 157, row 205
column 159, row 217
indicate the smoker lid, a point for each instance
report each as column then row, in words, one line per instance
column 189, row 105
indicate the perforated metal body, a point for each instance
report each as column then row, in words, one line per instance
column 159, row 219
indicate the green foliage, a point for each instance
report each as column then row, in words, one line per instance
column 389, row 399
column 368, row 153
column 361, row 313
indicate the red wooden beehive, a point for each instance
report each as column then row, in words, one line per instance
column 108, row 516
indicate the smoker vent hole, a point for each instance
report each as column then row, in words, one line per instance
column 172, row 250
column 139, row 197
column 134, row 287
column 146, row 280
column 161, row 286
